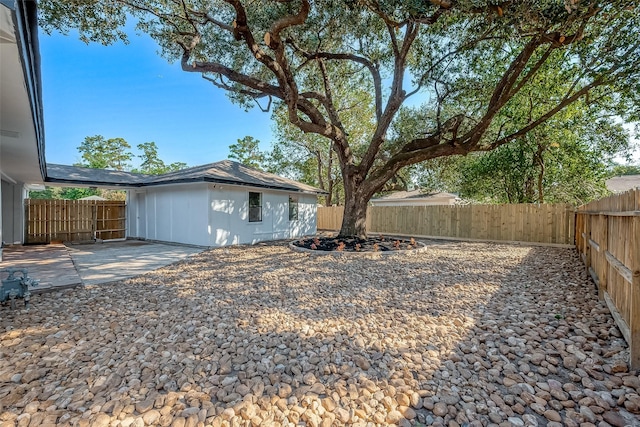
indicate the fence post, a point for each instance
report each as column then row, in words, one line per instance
column 634, row 317
column 587, row 245
column 602, row 258
column 569, row 231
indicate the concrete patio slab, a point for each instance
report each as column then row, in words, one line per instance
column 99, row 263
column 51, row 265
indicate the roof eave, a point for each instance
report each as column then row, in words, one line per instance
column 27, row 39
column 152, row 183
column 91, row 183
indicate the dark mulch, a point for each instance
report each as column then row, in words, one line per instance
column 355, row 244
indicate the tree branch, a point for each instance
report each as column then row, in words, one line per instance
column 373, row 69
column 273, row 36
column 501, row 92
column 222, row 85
column 241, row 31
column 532, row 72
column 396, row 98
column 329, row 106
column 423, row 149
column 231, row 74
column 562, row 105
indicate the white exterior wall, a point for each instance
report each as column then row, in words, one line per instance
column 216, row 215
column 172, row 213
column 229, row 216
column 12, row 212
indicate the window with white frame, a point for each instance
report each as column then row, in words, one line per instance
column 293, row 208
column 255, row 207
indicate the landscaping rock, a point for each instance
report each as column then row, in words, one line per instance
column 461, row 334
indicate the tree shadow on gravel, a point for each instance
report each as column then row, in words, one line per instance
column 458, row 334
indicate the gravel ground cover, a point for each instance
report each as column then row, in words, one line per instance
column 463, row 334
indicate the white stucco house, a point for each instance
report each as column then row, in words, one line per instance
column 218, row 204
column 415, row 198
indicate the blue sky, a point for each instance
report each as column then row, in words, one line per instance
column 129, row 91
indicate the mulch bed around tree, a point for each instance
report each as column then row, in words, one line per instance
column 355, row 244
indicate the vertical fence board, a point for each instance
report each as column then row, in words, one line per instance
column 635, row 291
column 613, row 225
column 73, row 220
column 525, row 223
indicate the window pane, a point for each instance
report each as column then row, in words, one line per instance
column 255, row 214
column 293, row 208
column 255, row 199
column 255, row 207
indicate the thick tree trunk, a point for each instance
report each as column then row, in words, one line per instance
column 528, row 194
column 355, row 209
column 354, row 219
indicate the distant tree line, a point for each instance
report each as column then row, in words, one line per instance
column 97, row 152
column 558, row 163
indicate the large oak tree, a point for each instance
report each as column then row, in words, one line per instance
column 465, row 63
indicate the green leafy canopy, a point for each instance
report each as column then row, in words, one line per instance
column 483, row 73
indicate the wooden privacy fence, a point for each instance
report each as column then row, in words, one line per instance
column 608, row 239
column 73, row 220
column 552, row 223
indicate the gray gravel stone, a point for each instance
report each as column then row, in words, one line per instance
column 463, row 334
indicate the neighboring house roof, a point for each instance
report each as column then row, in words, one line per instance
column 223, row 172
column 620, row 184
column 415, row 195
column 92, row 198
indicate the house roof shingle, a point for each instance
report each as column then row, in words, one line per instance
column 620, row 184
column 223, row 172
column 76, row 175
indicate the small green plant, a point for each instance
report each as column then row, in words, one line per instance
column 558, row 316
